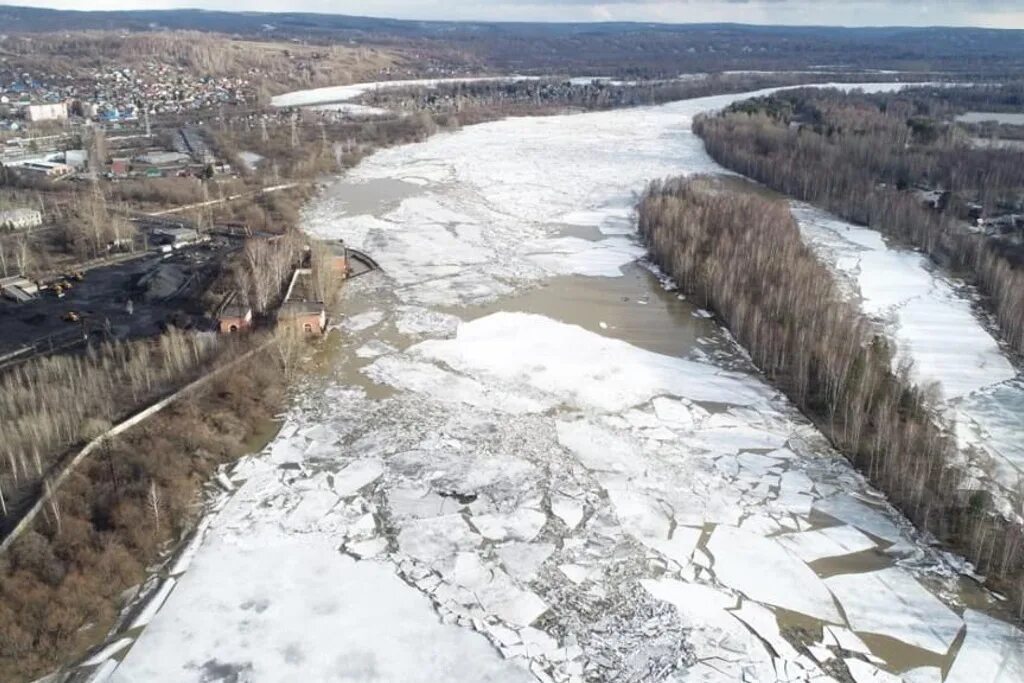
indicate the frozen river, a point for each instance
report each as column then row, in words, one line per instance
column 526, row 460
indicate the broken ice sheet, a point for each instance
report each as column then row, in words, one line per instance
column 495, row 591
column 283, row 608
column 764, row 623
column 834, row 541
column 374, row 349
column 356, row 476
column 436, row 539
column 363, row 321
column 992, row 652
column 921, row 620
column 865, row 517
column 580, row 367
column 678, row 548
column 695, row 602
column 523, row 560
column 862, row 672
column 521, row 525
column 569, row 510
column 764, row 571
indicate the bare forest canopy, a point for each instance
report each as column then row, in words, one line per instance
column 615, row 48
column 594, row 95
column 742, row 255
column 898, row 163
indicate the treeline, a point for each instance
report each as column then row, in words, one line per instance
column 595, row 95
column 742, row 256
column 52, row 403
column 861, row 156
column 63, row 583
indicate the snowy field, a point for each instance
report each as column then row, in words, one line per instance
column 506, row 496
column 935, row 326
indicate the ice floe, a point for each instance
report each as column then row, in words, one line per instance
column 763, row 570
column 834, row 541
column 992, row 652
column 921, row 620
column 313, row 615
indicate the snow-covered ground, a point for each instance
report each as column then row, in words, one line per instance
column 480, row 492
column 936, row 327
column 340, row 97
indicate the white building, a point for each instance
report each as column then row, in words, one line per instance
column 20, row 219
column 47, row 112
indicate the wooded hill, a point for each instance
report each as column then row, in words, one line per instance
column 614, row 48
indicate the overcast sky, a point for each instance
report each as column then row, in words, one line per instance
column 989, row 13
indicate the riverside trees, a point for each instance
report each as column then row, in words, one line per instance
column 859, row 156
column 50, row 403
column 742, row 256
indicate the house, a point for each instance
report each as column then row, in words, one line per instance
column 120, row 166
column 234, row 316
column 20, row 219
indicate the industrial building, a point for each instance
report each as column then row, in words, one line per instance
column 50, row 169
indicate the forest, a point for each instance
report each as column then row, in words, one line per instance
column 742, row 256
column 868, row 158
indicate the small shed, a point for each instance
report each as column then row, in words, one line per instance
column 234, row 316
column 309, row 317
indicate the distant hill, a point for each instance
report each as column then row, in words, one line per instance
column 618, row 46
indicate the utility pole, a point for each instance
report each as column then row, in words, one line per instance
column 295, row 130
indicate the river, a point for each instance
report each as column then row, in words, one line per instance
column 527, row 459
